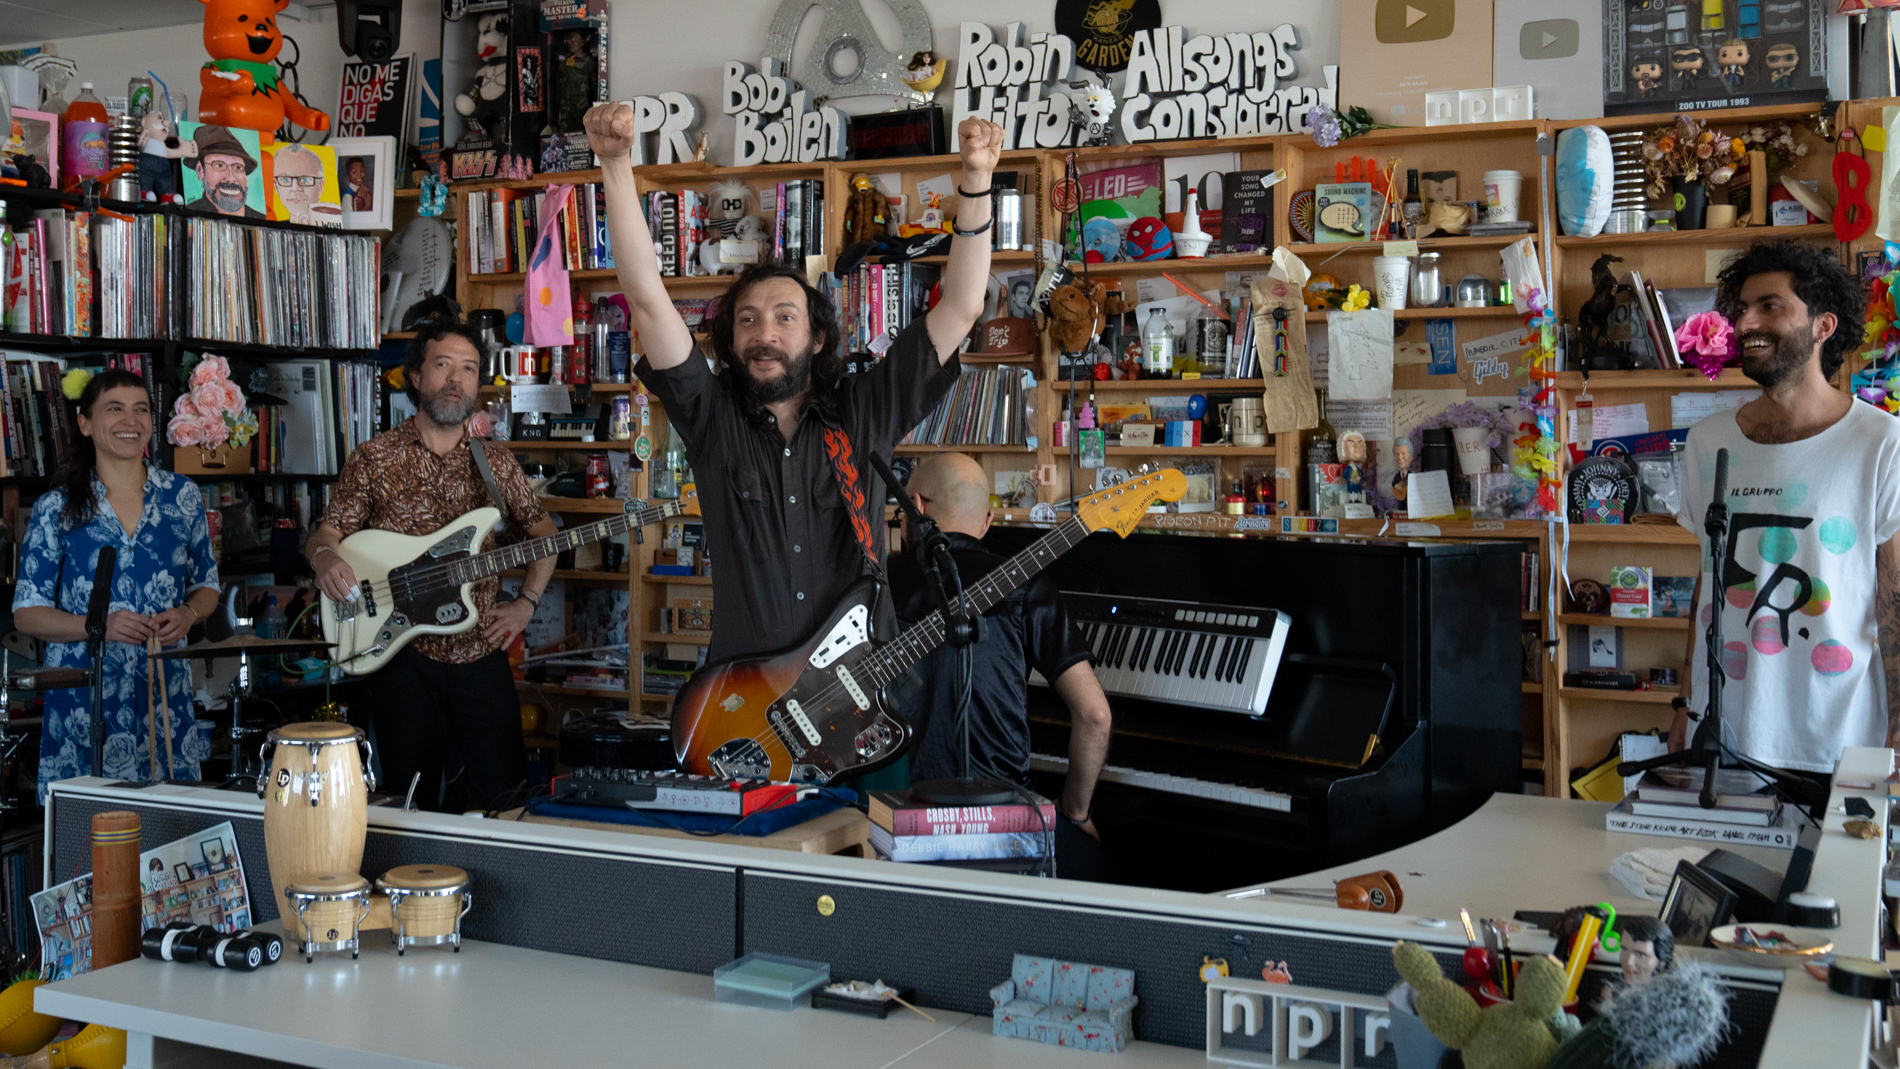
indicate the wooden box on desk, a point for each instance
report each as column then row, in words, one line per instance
column 227, row 460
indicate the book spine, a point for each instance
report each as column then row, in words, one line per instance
column 966, row 847
column 1701, row 831
column 982, row 820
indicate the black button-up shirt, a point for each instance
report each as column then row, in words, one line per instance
column 780, row 538
column 1028, row 629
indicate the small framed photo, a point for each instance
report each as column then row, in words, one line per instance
column 1696, row 905
column 182, row 872
column 213, row 851
column 366, row 167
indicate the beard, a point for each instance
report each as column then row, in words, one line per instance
column 444, row 411
column 228, row 196
column 790, row 382
column 1785, row 361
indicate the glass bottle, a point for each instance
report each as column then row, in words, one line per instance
column 272, row 624
column 1157, row 346
column 1236, row 501
column 1319, row 451
column 1413, row 208
column 580, row 358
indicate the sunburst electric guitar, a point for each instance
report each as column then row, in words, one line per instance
column 815, row 711
column 418, row 584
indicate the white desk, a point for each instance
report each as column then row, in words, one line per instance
column 501, row 1007
column 1521, row 852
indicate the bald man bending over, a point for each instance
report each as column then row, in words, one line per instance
column 1027, row 629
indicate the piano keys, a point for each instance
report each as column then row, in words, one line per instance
column 1182, row 652
column 1373, row 700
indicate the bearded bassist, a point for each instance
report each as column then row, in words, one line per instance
column 445, row 705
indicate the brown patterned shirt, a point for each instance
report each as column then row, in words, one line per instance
column 395, row 483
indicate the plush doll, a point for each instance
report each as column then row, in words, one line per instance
column 1077, row 315
column 1675, row 1018
column 1513, row 1035
column 158, row 147
column 1096, row 125
column 486, row 98
column 865, row 212
column 240, row 88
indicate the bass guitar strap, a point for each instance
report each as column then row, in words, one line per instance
column 478, row 453
column 844, row 465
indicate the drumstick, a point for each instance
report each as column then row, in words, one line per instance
column 151, row 724
column 913, row 1009
column 165, row 714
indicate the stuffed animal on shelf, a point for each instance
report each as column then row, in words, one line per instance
column 486, row 99
column 1513, row 1035
column 240, row 88
column 865, row 212
column 1077, row 315
column 158, row 147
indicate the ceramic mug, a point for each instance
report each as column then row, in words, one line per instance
column 1247, row 422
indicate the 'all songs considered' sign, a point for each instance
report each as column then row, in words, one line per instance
column 1216, row 85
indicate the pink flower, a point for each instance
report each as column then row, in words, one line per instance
column 481, row 425
column 185, row 407
column 1707, row 342
column 210, row 369
column 209, row 398
column 233, row 397
column 188, row 430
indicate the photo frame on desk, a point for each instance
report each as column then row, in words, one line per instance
column 1697, row 904
column 366, row 169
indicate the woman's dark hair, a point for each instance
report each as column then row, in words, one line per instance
column 1817, row 277
column 827, row 364
column 430, row 331
column 74, row 473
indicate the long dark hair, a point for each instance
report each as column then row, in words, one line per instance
column 827, row 364
column 74, row 473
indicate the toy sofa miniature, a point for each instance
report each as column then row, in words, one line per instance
column 1067, row 1003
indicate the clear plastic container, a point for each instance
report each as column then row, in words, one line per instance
column 769, row 980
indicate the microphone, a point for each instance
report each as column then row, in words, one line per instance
column 101, row 595
column 1715, row 522
column 1721, row 475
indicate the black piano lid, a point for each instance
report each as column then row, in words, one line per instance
column 1328, row 709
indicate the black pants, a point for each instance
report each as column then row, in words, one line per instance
column 459, row 725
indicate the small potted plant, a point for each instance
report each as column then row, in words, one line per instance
column 211, row 426
column 1683, row 160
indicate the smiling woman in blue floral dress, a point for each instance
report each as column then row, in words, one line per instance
column 167, row 580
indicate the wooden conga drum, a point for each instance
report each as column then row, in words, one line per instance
column 426, row 904
column 316, row 805
column 326, row 910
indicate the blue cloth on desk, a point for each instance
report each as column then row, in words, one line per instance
column 764, row 822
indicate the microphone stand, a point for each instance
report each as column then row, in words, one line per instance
column 1707, row 749
column 97, row 608
column 961, row 630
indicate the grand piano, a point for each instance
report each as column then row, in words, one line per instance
column 1286, row 704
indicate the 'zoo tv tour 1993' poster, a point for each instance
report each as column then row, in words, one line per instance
column 1664, row 55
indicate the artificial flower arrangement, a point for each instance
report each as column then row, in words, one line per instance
column 1706, row 342
column 211, row 413
column 1330, row 126
column 1690, row 151
column 1879, row 383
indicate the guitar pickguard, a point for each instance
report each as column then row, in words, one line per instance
column 853, row 629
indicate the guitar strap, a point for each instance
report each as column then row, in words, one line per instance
column 479, row 454
column 844, row 465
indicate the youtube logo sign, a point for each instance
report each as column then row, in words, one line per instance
column 1548, row 39
column 1411, row 21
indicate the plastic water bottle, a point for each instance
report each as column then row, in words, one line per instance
column 1157, row 343
column 272, row 624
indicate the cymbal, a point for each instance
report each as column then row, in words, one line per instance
column 241, row 644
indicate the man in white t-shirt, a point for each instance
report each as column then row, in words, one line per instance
column 1811, row 621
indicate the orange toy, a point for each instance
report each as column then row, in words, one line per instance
column 240, row 87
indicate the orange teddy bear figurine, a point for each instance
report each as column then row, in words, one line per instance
column 240, row 87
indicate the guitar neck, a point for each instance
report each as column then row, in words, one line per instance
column 927, row 634
column 521, row 554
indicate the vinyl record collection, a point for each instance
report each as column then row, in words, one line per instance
column 261, row 286
column 35, row 418
column 984, row 408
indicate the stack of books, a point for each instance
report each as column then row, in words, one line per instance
column 1744, row 813
column 1000, row 837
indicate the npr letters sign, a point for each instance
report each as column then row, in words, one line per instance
column 1216, row 86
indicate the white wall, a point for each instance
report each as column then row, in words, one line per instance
column 175, row 53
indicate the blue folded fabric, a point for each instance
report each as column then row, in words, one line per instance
column 763, row 822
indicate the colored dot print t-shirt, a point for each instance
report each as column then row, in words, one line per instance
column 1800, row 644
